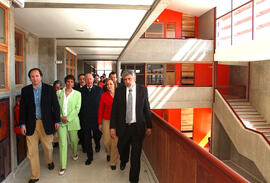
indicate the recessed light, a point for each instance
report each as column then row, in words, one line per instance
column 79, row 30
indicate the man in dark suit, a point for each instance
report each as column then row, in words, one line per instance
column 89, row 116
column 39, row 112
column 130, row 121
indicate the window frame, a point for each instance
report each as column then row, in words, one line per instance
column 20, row 58
column 71, row 62
column 4, row 48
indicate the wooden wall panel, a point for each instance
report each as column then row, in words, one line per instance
column 177, row 159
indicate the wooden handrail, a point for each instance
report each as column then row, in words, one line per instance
column 255, row 131
column 234, row 86
column 176, row 158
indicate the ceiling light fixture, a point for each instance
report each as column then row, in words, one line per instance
column 79, row 30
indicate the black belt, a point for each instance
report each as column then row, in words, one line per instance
column 38, row 118
column 130, row 124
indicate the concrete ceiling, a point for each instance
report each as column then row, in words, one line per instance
column 98, row 29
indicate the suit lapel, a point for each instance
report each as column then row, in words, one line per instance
column 137, row 99
column 43, row 95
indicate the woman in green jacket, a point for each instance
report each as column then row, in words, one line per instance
column 70, row 104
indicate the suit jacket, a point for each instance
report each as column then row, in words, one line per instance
column 118, row 113
column 49, row 109
column 89, row 108
column 73, row 109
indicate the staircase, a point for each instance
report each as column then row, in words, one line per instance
column 249, row 116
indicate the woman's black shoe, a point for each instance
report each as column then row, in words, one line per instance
column 108, row 158
column 113, row 167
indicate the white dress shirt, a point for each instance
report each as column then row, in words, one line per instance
column 133, row 102
column 66, row 98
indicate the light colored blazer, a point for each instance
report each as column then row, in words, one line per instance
column 73, row 109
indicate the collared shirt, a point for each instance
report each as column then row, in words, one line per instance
column 37, row 97
column 66, row 98
column 133, row 102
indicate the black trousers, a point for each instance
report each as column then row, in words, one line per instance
column 88, row 135
column 131, row 139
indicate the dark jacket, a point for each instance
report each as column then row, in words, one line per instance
column 50, row 110
column 118, row 113
column 89, row 107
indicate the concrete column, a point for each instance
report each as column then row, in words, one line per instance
column 47, row 59
column 61, row 68
column 80, row 67
column 118, row 70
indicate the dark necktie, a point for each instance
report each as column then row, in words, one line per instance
column 89, row 89
column 129, row 107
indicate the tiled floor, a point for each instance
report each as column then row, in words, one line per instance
column 77, row 172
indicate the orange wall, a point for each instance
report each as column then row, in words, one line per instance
column 173, row 116
column 203, row 74
column 178, row 74
column 201, row 123
column 223, row 77
column 170, row 16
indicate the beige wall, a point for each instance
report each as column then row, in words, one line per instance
column 180, row 97
column 260, row 87
column 169, row 50
column 238, row 75
column 206, row 25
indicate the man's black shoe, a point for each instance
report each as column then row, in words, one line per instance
column 51, row 166
column 97, row 148
column 113, row 167
column 88, row 162
column 108, row 158
column 122, row 166
column 56, row 144
column 33, row 180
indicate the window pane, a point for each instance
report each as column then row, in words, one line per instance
column 155, row 80
column 19, row 72
column 130, row 67
column 154, row 68
column 66, row 53
column 140, row 79
column 262, row 20
column 155, row 30
column 18, row 44
column 2, row 71
column 140, row 69
column 2, row 25
column 237, row 3
column 223, row 31
column 170, row 30
column 223, row 7
column 242, row 24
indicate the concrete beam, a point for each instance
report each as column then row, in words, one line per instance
column 98, row 39
column 94, row 46
column 85, row 6
column 155, row 10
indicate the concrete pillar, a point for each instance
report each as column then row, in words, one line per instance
column 80, row 67
column 118, row 70
column 61, row 68
column 47, row 59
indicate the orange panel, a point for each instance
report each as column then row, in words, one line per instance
column 203, row 74
column 223, row 77
column 170, row 16
column 174, row 118
column 201, row 123
column 178, row 74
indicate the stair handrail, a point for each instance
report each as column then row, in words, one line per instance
column 255, row 131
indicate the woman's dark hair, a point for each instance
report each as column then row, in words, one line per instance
column 69, row 77
column 35, row 69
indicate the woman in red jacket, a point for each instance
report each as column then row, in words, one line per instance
column 104, row 114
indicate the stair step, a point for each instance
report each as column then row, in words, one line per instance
column 251, row 116
column 266, row 133
column 253, row 121
column 242, row 107
column 247, row 113
column 240, row 103
column 263, row 130
column 245, row 110
column 237, row 100
column 261, row 126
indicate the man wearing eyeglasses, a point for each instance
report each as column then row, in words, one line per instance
column 39, row 112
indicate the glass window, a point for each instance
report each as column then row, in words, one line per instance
column 2, row 71
column 155, row 68
column 237, row 3
column 2, row 25
column 170, row 30
column 223, row 31
column 19, row 72
column 67, row 56
column 223, row 7
column 261, row 20
column 155, row 80
column 18, row 44
column 130, row 67
column 140, row 69
column 156, row 30
column 242, row 24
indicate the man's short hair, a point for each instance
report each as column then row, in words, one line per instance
column 35, row 69
column 128, row 72
column 80, row 75
column 57, row 82
column 111, row 73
